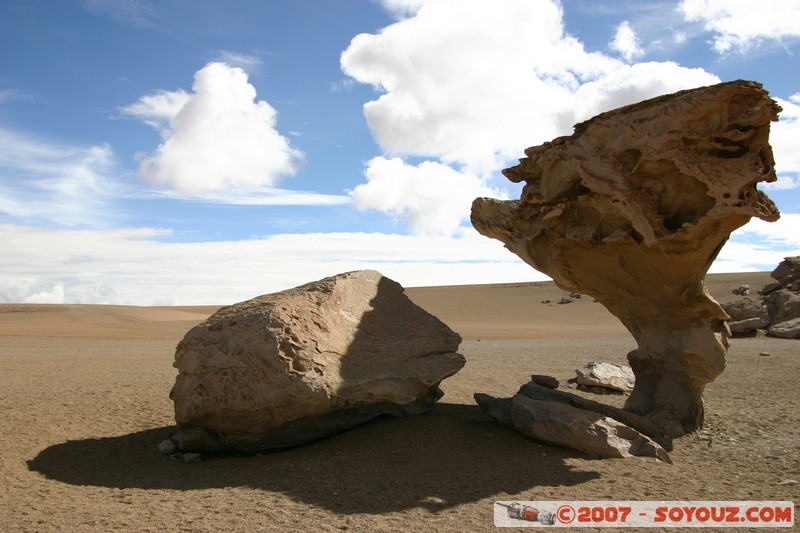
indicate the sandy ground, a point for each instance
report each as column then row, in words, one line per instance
column 84, row 402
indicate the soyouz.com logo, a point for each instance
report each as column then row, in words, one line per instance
column 644, row 514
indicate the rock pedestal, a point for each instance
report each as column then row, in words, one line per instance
column 292, row 367
column 632, row 209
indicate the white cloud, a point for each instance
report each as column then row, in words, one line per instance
column 134, row 13
column 47, row 182
column 760, row 246
column 158, row 109
column 132, row 266
column 785, row 136
column 472, row 83
column 220, row 139
column 741, row 24
column 403, row 8
column 626, row 42
column 236, row 59
column 430, row 198
column 53, row 296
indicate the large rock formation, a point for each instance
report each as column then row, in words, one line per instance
column 632, row 209
column 292, row 367
column 778, row 309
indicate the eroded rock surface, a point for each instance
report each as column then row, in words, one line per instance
column 566, row 420
column 777, row 310
column 632, row 209
column 292, row 367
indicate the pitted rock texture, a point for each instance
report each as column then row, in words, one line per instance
column 294, row 366
column 632, row 209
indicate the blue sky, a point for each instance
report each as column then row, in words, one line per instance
column 196, row 152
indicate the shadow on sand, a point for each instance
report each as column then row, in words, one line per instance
column 449, row 456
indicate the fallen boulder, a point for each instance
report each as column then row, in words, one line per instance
column 789, row 329
column 606, row 375
column 747, row 326
column 554, row 421
column 592, row 433
column 292, row 367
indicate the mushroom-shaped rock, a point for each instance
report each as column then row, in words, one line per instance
column 292, row 367
column 632, row 209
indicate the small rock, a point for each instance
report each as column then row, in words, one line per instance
column 788, row 482
column 742, row 290
column 566, row 300
column 545, row 381
column 764, row 354
column 576, row 295
column 191, row 457
column 167, row 447
column 608, row 375
column 546, row 301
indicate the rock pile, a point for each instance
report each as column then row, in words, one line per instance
column 295, row 366
column 777, row 310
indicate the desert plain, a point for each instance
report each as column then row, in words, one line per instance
column 85, row 403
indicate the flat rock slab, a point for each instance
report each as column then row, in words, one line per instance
column 292, row 367
column 560, row 424
column 607, row 375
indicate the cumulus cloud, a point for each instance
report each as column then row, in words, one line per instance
column 218, row 138
column 741, row 25
column 626, row 42
column 47, row 182
column 785, row 136
column 431, row 198
column 472, row 83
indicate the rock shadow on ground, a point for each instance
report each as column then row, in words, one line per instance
column 449, row 456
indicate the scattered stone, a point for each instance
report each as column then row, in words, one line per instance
column 742, row 290
column 167, row 447
column 296, row 366
column 746, row 308
column 576, row 295
column 764, row 354
column 747, row 326
column 545, row 381
column 546, row 301
column 789, row 329
column 607, row 376
column 566, row 300
column 191, row 457
column 631, row 209
column 782, row 305
column 788, row 482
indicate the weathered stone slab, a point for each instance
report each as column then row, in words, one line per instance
column 587, row 431
column 606, row 375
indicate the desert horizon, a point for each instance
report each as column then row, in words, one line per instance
column 86, row 403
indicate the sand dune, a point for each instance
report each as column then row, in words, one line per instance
column 85, row 402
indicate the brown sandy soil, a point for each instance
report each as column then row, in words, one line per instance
column 84, row 402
